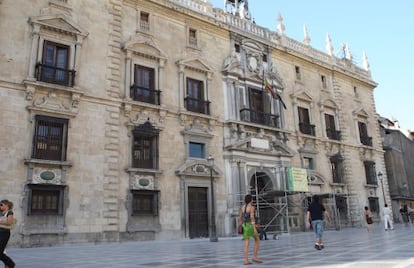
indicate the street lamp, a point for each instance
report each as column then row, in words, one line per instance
column 382, row 185
column 213, row 235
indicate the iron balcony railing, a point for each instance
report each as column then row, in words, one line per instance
column 144, row 26
column 55, row 75
column 197, row 105
column 143, row 94
column 339, row 180
column 372, row 181
column 365, row 140
column 258, row 117
column 333, row 134
column 307, row 128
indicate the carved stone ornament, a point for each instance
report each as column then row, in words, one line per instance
column 47, row 176
column 139, row 182
column 30, row 90
column 232, row 62
column 200, row 169
column 52, row 102
column 254, row 63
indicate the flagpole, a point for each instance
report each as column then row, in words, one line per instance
column 263, row 80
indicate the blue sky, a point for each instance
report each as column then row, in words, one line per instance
column 383, row 29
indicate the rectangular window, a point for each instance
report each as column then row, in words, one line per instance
column 192, row 37
column 260, row 112
column 335, row 167
column 144, row 22
column 197, row 150
column 256, row 98
column 144, row 152
column 46, row 199
column 54, row 66
column 363, row 134
column 144, row 85
column 50, row 138
column 323, row 81
column 145, row 202
column 303, row 115
column 145, row 146
column 195, row 97
column 264, row 58
column 298, row 74
column 373, row 204
column 305, row 126
column 308, row 163
column 337, row 170
column 331, row 131
column 330, row 121
column 370, row 173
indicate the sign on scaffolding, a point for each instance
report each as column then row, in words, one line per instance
column 297, row 180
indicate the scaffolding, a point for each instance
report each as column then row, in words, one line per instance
column 279, row 210
column 272, row 205
column 341, row 207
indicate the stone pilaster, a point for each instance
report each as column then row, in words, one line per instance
column 114, row 51
column 112, row 121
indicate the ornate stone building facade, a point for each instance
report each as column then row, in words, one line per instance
column 110, row 109
column 399, row 152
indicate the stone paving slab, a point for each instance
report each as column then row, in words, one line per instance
column 347, row 248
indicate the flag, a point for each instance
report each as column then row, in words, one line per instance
column 273, row 91
column 269, row 88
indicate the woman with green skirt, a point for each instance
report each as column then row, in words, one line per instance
column 247, row 217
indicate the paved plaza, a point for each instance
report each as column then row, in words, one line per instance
column 353, row 247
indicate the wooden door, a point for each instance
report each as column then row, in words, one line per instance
column 197, row 212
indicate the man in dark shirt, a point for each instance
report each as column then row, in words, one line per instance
column 315, row 216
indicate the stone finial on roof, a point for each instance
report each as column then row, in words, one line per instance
column 329, row 47
column 280, row 26
column 306, row 37
column 365, row 62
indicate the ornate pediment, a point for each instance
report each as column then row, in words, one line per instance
column 144, row 46
column 360, row 113
column 197, row 168
column 329, row 103
column 315, row 178
column 303, row 95
column 261, row 146
column 195, row 64
column 59, row 23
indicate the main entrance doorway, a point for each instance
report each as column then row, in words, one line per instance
column 271, row 204
column 197, row 212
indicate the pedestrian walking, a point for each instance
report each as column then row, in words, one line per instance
column 368, row 218
column 404, row 214
column 247, row 216
column 387, row 218
column 261, row 230
column 411, row 214
column 315, row 217
column 6, row 223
